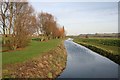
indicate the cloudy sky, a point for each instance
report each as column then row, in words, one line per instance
column 82, row 17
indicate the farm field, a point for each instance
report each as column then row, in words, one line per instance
column 108, row 47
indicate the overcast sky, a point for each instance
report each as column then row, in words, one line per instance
column 82, row 17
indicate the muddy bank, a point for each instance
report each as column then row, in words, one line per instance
column 48, row 65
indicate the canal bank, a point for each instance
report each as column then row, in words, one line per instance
column 102, row 52
column 48, row 65
column 84, row 63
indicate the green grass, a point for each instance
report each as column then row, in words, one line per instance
column 35, row 48
column 109, row 44
column 108, row 47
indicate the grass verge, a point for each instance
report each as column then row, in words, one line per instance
column 35, row 48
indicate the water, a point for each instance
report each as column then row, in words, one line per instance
column 84, row 63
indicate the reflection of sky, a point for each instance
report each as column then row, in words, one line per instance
column 82, row 17
column 84, row 63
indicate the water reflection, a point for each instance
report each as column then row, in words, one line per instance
column 84, row 63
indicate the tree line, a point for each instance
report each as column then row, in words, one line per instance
column 19, row 23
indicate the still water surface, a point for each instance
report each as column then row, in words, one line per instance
column 84, row 63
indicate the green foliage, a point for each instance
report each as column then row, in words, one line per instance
column 35, row 48
column 37, row 39
column 110, row 42
column 49, row 75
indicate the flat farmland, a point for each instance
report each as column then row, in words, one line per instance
column 108, row 47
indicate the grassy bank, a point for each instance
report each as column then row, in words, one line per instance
column 34, row 49
column 48, row 65
column 105, row 46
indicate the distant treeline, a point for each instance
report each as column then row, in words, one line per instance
column 112, row 35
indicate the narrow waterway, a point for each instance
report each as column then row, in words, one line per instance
column 84, row 63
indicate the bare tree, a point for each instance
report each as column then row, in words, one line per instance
column 48, row 25
column 18, row 20
column 3, row 15
column 23, row 25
